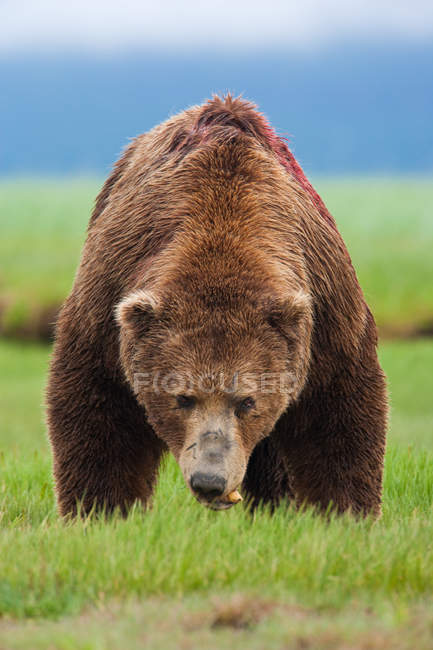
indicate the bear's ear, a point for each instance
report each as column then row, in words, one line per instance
column 286, row 314
column 136, row 312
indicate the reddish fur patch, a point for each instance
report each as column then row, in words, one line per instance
column 239, row 114
column 288, row 160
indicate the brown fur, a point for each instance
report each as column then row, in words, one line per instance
column 232, row 264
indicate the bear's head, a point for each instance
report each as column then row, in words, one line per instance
column 214, row 382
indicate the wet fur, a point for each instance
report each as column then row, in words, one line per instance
column 213, row 201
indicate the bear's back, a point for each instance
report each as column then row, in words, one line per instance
column 152, row 159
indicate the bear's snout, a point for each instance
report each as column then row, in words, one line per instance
column 213, row 466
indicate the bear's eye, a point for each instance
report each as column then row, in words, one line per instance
column 185, row 401
column 246, row 405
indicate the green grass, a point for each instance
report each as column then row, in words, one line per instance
column 409, row 366
column 183, row 576
column 387, row 225
column 22, row 369
column 388, row 228
column 43, row 227
column 178, row 548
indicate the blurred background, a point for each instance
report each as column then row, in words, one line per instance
column 349, row 84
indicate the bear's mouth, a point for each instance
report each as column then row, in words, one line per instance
column 216, row 504
column 219, row 505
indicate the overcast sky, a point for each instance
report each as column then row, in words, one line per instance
column 113, row 25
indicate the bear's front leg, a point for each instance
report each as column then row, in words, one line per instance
column 106, row 456
column 334, row 442
column 266, row 480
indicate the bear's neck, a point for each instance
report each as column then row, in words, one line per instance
column 219, row 269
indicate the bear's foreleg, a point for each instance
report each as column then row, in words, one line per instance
column 334, row 442
column 266, row 480
column 106, row 456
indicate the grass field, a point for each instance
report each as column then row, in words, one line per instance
column 183, row 576
column 387, row 225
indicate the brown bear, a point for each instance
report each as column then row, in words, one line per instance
column 216, row 314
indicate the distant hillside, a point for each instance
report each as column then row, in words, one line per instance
column 345, row 111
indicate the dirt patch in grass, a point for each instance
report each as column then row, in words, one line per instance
column 28, row 322
column 234, row 622
column 243, row 612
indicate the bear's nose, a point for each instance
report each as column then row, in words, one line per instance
column 208, row 486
